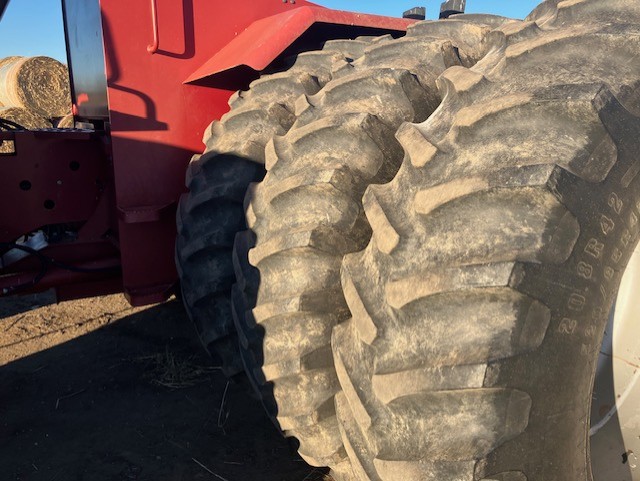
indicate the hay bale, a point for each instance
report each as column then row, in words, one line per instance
column 5, row 61
column 39, row 84
column 66, row 122
column 9, row 59
column 23, row 119
column 12, row 118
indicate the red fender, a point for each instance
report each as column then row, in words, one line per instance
column 265, row 39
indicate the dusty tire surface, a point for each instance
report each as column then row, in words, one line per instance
column 307, row 214
column 479, row 305
column 211, row 214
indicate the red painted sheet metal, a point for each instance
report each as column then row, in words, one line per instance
column 53, row 177
column 157, row 121
column 264, row 40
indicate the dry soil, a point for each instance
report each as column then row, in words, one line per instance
column 95, row 390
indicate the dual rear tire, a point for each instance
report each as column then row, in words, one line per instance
column 478, row 279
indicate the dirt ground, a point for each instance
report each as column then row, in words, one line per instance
column 96, row 390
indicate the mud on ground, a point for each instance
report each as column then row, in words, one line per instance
column 96, row 390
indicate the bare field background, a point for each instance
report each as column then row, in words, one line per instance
column 95, row 390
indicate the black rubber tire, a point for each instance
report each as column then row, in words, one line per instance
column 211, row 214
column 307, row 213
column 480, row 303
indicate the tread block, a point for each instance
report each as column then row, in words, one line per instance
column 362, row 320
column 318, row 359
column 238, row 309
column 459, row 81
column 272, row 153
column 386, row 237
column 218, row 191
column 326, row 301
column 400, row 293
column 211, row 305
column 420, row 425
column 551, row 39
column 214, row 129
column 193, row 170
column 429, row 57
column 354, row 442
column 352, row 49
column 303, row 106
column 579, row 11
column 486, row 228
column 244, row 272
column 290, row 338
column 429, row 199
column 464, row 35
column 215, row 239
column 516, row 131
column 515, row 32
column 352, row 363
column 419, row 150
column 289, row 273
column 250, row 215
column 248, row 130
column 507, row 476
column 393, row 95
column 282, row 88
column 388, row 387
column 360, row 142
column 324, row 239
column 342, row 471
column 478, row 112
column 304, row 392
column 316, row 63
column 339, row 179
column 310, row 421
column 424, row 470
column 468, row 326
column 323, row 440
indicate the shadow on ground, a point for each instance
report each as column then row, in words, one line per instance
column 135, row 400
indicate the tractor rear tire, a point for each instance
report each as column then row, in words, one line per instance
column 307, row 213
column 211, row 213
column 479, row 306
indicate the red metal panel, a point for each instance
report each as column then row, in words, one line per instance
column 52, row 178
column 60, row 178
column 157, row 121
column 267, row 38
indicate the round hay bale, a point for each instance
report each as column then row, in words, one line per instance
column 39, row 84
column 4, row 61
column 9, row 59
column 20, row 118
column 66, row 122
column 12, row 118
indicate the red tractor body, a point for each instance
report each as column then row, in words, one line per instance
column 148, row 77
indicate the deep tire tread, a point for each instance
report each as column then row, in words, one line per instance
column 212, row 212
column 307, row 213
column 463, row 287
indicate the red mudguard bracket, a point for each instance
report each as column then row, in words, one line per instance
column 264, row 40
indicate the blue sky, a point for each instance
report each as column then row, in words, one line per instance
column 34, row 27
column 507, row 8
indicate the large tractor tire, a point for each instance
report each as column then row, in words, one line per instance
column 307, row 214
column 479, row 306
column 211, row 213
